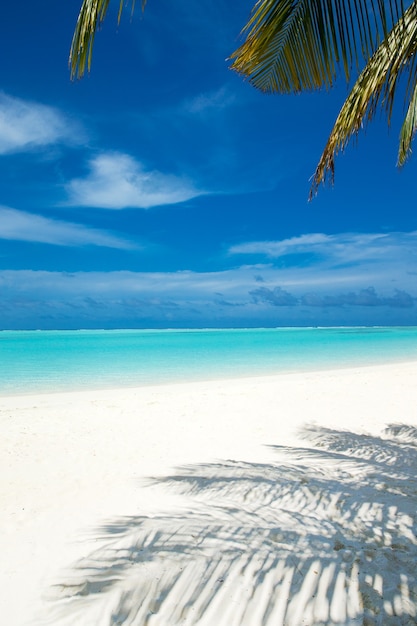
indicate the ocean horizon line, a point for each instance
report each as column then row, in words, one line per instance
column 207, row 328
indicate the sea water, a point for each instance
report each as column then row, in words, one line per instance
column 48, row 361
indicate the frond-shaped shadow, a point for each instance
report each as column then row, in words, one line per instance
column 326, row 535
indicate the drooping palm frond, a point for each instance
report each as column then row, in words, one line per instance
column 377, row 85
column 90, row 18
column 408, row 129
column 295, row 45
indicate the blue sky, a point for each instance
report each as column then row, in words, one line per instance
column 164, row 191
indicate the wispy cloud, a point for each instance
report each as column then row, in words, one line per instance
column 206, row 103
column 238, row 285
column 332, row 259
column 25, row 125
column 117, row 181
column 341, row 246
column 20, row 226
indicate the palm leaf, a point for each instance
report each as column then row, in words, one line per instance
column 294, row 45
column 90, row 18
column 408, row 129
column 377, row 85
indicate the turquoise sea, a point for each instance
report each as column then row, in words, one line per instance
column 45, row 361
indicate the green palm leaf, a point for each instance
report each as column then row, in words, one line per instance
column 376, row 85
column 90, row 18
column 298, row 45
column 408, row 129
column 294, row 45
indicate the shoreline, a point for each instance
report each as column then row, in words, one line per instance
column 76, row 462
column 133, row 359
column 325, row 367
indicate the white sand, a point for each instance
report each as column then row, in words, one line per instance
column 276, row 500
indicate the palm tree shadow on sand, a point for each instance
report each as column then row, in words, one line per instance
column 326, row 535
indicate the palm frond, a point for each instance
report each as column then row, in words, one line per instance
column 294, row 45
column 376, row 84
column 408, row 129
column 90, row 18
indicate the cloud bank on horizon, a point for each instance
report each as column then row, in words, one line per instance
column 378, row 285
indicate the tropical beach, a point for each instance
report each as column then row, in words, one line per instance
column 281, row 499
column 208, row 400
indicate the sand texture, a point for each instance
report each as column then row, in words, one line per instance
column 288, row 499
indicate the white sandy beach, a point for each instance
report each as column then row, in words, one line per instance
column 288, row 499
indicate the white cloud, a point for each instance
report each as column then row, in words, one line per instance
column 122, row 298
column 387, row 269
column 25, row 125
column 340, row 288
column 234, row 285
column 179, row 286
column 329, row 245
column 208, row 102
column 117, row 181
column 333, row 263
column 368, row 252
column 20, row 226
